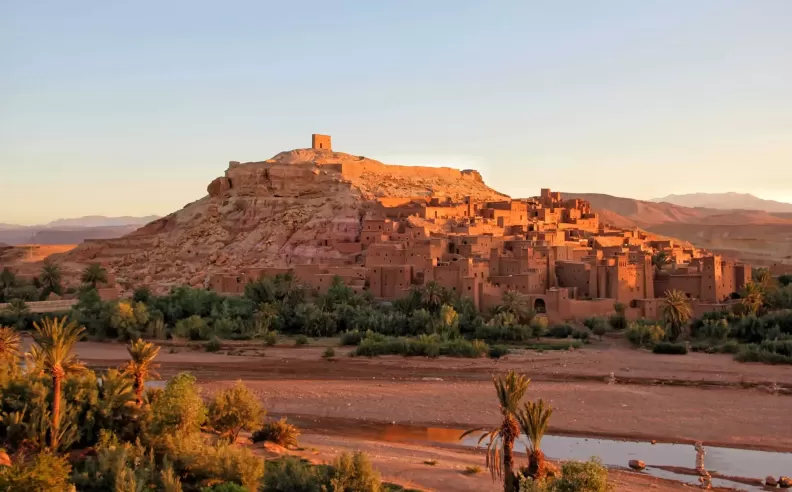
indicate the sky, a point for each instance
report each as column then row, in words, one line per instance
column 132, row 108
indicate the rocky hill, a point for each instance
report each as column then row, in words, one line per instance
column 285, row 210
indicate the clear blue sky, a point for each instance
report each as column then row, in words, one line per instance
column 132, row 108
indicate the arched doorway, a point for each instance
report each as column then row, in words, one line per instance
column 540, row 306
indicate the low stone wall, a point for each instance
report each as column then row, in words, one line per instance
column 47, row 306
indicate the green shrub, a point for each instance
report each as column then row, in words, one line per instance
column 714, row 329
column 586, row 476
column 233, row 410
column 497, row 351
column 213, row 345
column 270, row 338
column 353, row 337
column 472, row 470
column 730, row 347
column 192, row 328
column 354, row 473
column 329, row 353
column 280, row 432
column 200, row 462
column 116, row 466
column 618, row 321
column 670, row 348
column 644, row 335
column 225, row 487
column 580, row 335
column 301, row 340
column 768, row 352
column 432, row 345
column 598, row 326
column 560, row 331
column 178, row 408
column 538, row 326
column 291, row 474
column 42, row 472
column 702, row 346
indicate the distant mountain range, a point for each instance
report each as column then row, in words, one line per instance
column 726, row 201
column 72, row 231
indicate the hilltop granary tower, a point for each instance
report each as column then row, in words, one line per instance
column 320, row 142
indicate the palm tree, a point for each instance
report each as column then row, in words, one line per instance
column 17, row 308
column 56, row 339
column 50, row 279
column 534, row 421
column 517, row 304
column 432, row 296
column 676, row 312
column 751, row 297
column 94, row 274
column 9, row 347
column 116, row 406
column 141, row 365
column 659, row 260
column 510, row 389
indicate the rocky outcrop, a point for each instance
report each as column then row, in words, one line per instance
column 283, row 211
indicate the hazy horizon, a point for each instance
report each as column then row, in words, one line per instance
column 133, row 109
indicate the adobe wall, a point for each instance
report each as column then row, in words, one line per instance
column 689, row 284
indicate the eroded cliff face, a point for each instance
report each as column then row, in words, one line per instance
column 282, row 211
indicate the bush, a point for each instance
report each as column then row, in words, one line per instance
column 213, row 345
column 192, row 328
column 351, row 338
column 560, row 331
column 769, row 352
column 580, row 335
column 329, row 353
column 43, row 472
column 670, row 348
column 354, row 473
column 233, row 410
column 497, row 351
column 225, row 463
column 280, row 432
column 225, row 487
column 538, row 326
column 291, row 474
column 730, row 347
column 424, row 345
column 178, row 408
column 644, row 335
column 597, row 325
column 270, row 338
column 587, row 476
column 717, row 330
column 301, row 340
column 618, row 321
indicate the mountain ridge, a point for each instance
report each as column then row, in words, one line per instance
column 725, row 201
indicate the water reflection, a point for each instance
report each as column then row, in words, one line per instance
column 743, row 463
